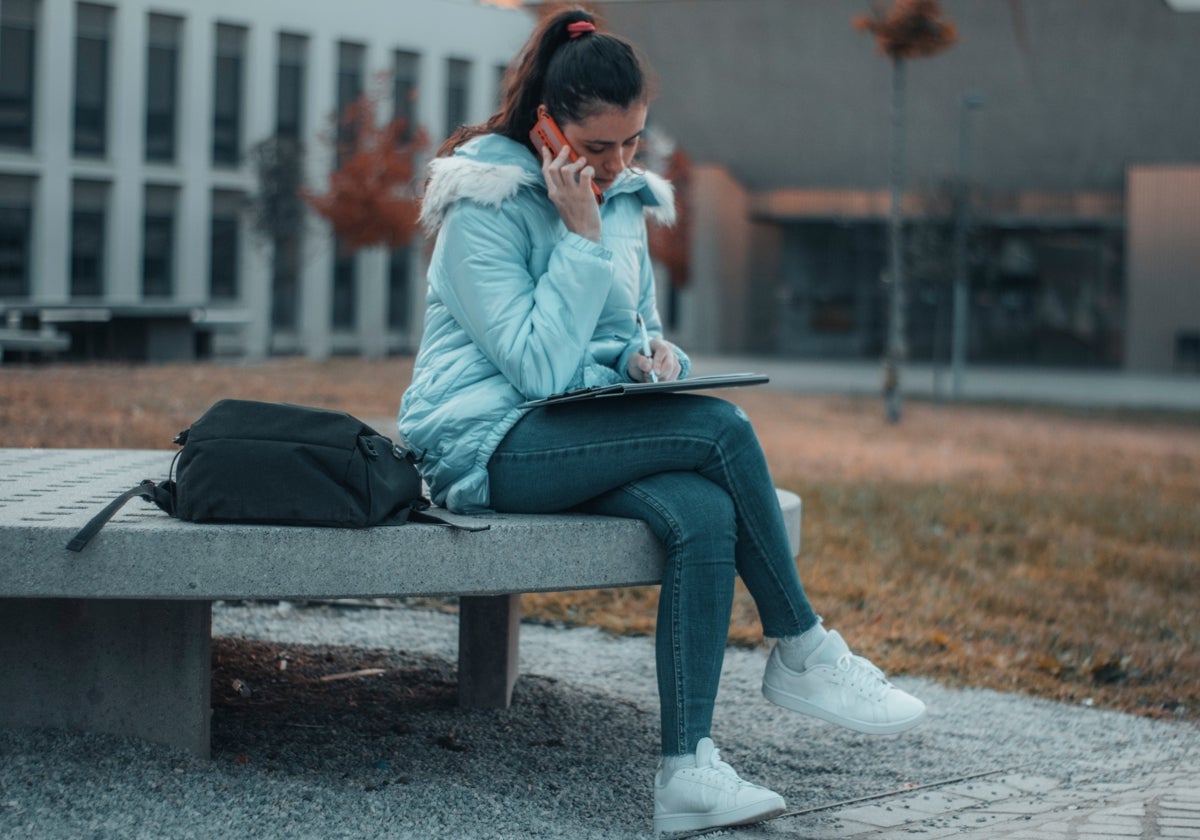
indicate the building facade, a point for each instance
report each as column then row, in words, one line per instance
column 129, row 132
column 1064, row 133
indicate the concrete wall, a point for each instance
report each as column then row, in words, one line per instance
column 790, row 95
column 713, row 309
column 1162, row 263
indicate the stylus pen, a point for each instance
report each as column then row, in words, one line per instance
column 646, row 346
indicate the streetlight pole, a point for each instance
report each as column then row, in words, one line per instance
column 962, row 216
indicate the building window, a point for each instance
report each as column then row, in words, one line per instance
column 93, row 33
column 405, row 86
column 18, row 40
column 289, row 85
column 831, row 302
column 1049, row 296
column 458, row 93
column 16, row 225
column 158, row 241
column 290, row 81
column 162, row 87
column 88, row 207
column 351, row 59
column 345, row 290
column 228, row 64
column 225, row 246
column 398, row 263
column 500, row 71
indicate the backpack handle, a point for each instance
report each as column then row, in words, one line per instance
column 148, row 490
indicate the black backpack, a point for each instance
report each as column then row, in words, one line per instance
column 280, row 464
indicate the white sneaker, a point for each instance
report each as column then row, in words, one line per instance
column 841, row 688
column 710, row 795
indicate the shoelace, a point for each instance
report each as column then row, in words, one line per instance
column 715, row 763
column 863, row 675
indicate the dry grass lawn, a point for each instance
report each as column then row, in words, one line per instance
column 1043, row 551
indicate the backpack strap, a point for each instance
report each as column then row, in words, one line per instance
column 418, row 513
column 148, row 490
column 164, row 496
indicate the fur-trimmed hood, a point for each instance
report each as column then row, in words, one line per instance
column 492, row 169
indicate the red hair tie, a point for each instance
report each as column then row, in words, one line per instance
column 580, row 27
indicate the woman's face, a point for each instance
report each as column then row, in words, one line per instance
column 608, row 139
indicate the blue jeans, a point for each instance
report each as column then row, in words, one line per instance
column 692, row 467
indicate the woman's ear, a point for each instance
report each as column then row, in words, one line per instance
column 542, row 112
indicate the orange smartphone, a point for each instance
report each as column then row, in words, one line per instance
column 547, row 134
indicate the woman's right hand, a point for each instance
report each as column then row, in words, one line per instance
column 570, row 188
column 663, row 360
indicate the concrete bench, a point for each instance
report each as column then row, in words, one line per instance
column 44, row 341
column 117, row 638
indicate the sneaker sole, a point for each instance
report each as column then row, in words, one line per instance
column 745, row 815
column 799, row 704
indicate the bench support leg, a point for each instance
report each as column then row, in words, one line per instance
column 122, row 667
column 488, row 642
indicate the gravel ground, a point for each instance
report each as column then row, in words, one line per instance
column 389, row 754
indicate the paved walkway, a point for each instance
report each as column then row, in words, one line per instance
column 1077, row 388
column 1011, row 806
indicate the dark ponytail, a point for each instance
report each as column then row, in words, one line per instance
column 575, row 77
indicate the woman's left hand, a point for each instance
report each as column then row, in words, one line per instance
column 663, row 361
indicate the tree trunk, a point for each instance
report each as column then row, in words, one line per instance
column 897, row 344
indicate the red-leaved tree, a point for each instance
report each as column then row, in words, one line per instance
column 909, row 29
column 371, row 198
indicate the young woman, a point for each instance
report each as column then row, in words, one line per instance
column 535, row 288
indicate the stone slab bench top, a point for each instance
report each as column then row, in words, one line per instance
column 46, row 495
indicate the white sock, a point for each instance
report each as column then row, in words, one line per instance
column 795, row 650
column 670, row 763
